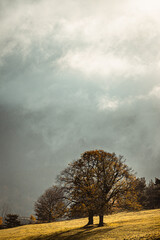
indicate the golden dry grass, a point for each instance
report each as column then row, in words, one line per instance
column 132, row 225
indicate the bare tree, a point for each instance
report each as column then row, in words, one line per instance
column 4, row 210
column 50, row 205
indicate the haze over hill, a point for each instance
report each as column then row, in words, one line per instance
column 75, row 76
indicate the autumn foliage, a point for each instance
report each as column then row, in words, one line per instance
column 97, row 182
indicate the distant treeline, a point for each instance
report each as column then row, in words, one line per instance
column 148, row 194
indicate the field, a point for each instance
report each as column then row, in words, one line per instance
column 131, row 225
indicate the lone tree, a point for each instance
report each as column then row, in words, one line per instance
column 50, row 205
column 96, row 182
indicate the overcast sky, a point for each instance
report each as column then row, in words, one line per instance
column 76, row 75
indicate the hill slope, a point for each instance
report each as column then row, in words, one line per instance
column 132, row 225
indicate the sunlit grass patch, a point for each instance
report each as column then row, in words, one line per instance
column 129, row 226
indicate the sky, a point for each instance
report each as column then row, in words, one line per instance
column 76, row 76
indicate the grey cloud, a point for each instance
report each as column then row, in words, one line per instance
column 50, row 114
column 42, row 142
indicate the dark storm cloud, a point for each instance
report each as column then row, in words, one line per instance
column 69, row 84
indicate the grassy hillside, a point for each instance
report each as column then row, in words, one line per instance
column 133, row 225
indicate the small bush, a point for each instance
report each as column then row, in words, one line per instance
column 12, row 220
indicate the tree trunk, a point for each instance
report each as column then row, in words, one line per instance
column 50, row 217
column 100, row 221
column 90, row 218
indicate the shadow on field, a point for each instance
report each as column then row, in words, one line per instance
column 75, row 234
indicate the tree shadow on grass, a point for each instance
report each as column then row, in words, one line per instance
column 75, row 234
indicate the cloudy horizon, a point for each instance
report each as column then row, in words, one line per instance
column 75, row 76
